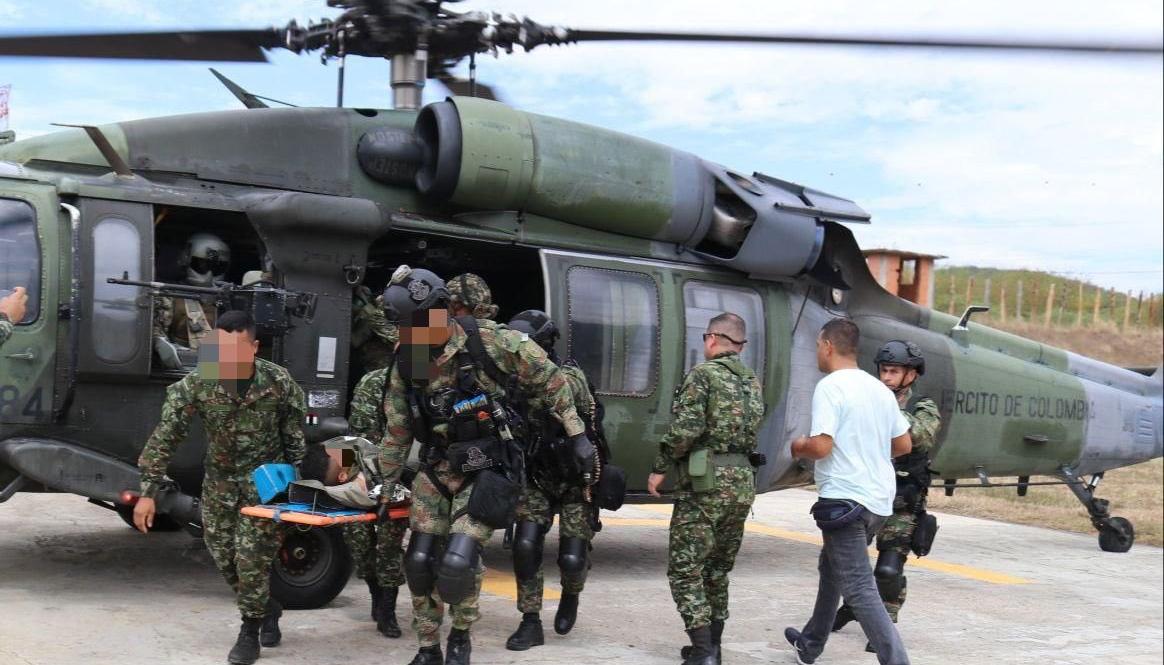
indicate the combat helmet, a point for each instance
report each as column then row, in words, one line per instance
column 538, row 325
column 412, row 290
column 900, row 352
column 206, row 259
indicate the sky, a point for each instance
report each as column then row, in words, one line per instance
column 1046, row 162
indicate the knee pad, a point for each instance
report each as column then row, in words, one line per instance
column 889, row 574
column 419, row 561
column 457, row 574
column 528, row 539
column 572, row 559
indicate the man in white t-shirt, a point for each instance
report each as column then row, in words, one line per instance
column 857, row 429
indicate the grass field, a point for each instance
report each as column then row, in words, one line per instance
column 1136, row 493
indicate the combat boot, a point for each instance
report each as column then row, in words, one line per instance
column 567, row 613
column 374, row 590
column 844, row 616
column 429, row 656
column 459, row 647
column 386, row 619
column 702, row 650
column 716, row 641
column 528, row 634
column 269, row 633
column 246, row 649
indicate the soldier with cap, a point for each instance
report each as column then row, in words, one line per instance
column 899, row 364
column 252, row 412
column 182, row 323
column 449, row 388
column 469, row 295
column 12, row 309
column 547, row 492
column 716, row 415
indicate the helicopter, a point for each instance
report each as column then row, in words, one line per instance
column 629, row 245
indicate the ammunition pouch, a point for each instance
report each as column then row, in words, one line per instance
column 469, row 456
column 701, row 470
column 497, row 489
column 610, row 491
column 923, row 534
column 833, row 514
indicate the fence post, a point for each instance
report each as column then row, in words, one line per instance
column 969, row 290
column 953, row 293
column 1050, row 306
column 1079, row 308
column 1140, row 310
column 1002, row 303
column 1018, row 302
column 1095, row 312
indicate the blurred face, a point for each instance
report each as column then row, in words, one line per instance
column 895, row 377
column 428, row 327
column 227, row 356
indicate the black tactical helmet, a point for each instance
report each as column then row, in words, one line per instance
column 412, row 290
column 538, row 325
column 900, row 352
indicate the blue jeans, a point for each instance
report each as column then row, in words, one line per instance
column 845, row 572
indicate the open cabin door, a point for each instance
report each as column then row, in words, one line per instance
column 30, row 241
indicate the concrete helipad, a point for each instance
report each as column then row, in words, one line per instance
column 78, row 586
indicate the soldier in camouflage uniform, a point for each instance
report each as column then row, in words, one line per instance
column 373, row 341
column 435, row 366
column 183, row 323
column 252, row 412
column 373, row 337
column 376, row 549
column 546, row 493
column 899, row 364
column 12, row 310
column 717, row 414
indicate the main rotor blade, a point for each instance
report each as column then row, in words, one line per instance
column 208, row 45
column 465, row 88
column 1112, row 47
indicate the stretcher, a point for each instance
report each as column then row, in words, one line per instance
column 303, row 513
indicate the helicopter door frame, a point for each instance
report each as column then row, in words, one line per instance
column 116, row 320
column 28, row 358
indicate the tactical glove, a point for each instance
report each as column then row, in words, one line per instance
column 582, row 457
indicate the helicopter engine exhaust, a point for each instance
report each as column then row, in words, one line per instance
column 483, row 154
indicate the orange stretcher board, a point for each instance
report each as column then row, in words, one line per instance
column 317, row 517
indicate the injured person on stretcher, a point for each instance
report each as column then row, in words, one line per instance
column 338, row 482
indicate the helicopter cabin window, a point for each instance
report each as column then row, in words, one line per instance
column 614, row 328
column 19, row 254
column 116, row 250
column 703, row 301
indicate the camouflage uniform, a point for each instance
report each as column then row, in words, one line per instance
column 897, row 532
column 544, row 495
column 376, row 548
column 720, row 407
column 6, row 328
column 184, row 321
column 373, row 337
column 264, row 425
column 431, row 511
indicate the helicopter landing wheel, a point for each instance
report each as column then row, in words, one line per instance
column 1117, row 535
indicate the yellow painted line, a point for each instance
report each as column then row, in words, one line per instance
column 955, row 569
column 504, row 584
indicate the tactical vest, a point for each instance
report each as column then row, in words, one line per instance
column 471, row 413
column 915, row 465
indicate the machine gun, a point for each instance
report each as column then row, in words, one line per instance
column 272, row 308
